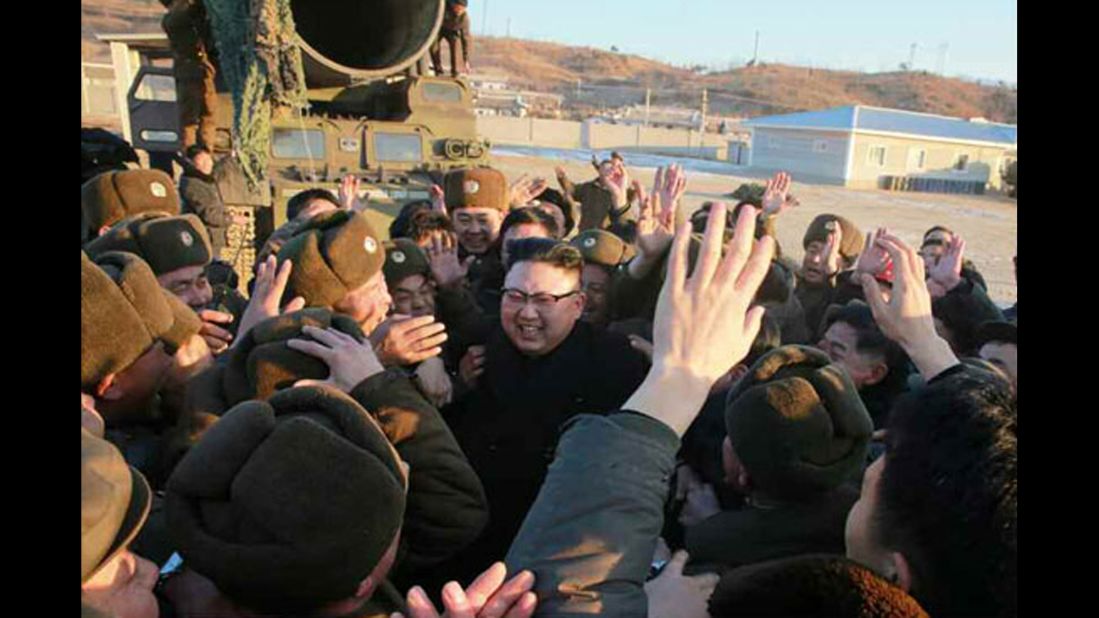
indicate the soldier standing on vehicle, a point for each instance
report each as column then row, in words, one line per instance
column 192, row 45
column 455, row 28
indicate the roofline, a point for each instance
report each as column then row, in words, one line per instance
column 905, row 111
column 931, row 138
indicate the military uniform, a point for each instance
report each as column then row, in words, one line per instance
column 455, row 28
column 191, row 43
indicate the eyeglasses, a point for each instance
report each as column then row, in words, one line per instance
column 541, row 300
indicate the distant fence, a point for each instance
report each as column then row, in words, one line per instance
column 97, row 96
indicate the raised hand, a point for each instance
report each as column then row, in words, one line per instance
column 525, row 190
column 675, row 595
column 349, row 193
column 442, row 255
column 349, row 361
column 873, row 259
column 656, row 221
column 403, row 340
column 906, row 318
column 438, row 199
column 703, row 326
column 832, row 250
column 472, row 365
column 947, row 270
column 270, row 285
column 775, row 196
column 489, row 596
column 617, row 180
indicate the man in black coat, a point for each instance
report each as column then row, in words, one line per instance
column 199, row 193
column 542, row 366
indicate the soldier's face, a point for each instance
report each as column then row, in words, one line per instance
column 134, row 388
column 537, row 328
column 367, row 305
column 596, row 285
column 812, row 266
column 204, row 163
column 123, row 587
column 840, row 343
column 414, row 295
column 1003, row 355
column 477, row 228
column 189, row 285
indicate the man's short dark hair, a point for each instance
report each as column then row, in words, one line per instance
column 399, row 228
column 937, row 228
column 529, row 215
column 947, row 495
column 194, row 150
column 546, row 251
column 556, row 198
column 423, row 224
column 869, row 339
column 301, row 200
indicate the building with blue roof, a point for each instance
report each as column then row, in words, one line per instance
column 872, row 147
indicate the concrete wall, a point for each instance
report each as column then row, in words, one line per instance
column 599, row 136
column 812, row 155
column 901, row 159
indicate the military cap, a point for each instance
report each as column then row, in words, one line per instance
column 288, row 504
column 810, row 585
column 797, row 423
column 112, row 196
column 850, row 245
column 404, row 258
column 479, row 187
column 261, row 363
column 123, row 312
column 167, row 243
column 603, row 248
column 114, row 502
column 334, row 254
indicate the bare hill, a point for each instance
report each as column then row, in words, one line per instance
column 609, row 79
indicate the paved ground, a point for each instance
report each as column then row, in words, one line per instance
column 988, row 223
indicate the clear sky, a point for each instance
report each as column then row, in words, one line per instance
column 978, row 36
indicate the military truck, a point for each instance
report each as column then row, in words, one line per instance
column 374, row 112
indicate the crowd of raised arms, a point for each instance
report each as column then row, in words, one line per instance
column 524, row 401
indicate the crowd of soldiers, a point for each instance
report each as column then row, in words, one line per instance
column 521, row 401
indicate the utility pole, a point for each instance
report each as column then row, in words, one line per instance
column 940, row 66
column 912, row 58
column 648, row 99
column 705, row 108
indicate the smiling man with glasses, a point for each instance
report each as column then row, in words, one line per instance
column 540, row 366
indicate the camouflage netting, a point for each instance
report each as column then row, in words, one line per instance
column 262, row 66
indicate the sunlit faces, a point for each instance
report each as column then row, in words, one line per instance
column 477, row 228
column 537, row 323
column 519, row 232
column 596, row 286
column 367, row 305
column 813, row 264
column 190, row 285
column 414, row 295
column 123, row 587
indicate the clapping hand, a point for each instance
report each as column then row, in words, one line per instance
column 489, row 596
column 703, row 325
column 271, row 280
column 906, row 318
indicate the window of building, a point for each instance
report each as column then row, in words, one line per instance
column 921, row 159
column 820, row 145
column 774, row 142
column 876, row 156
column 961, row 163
